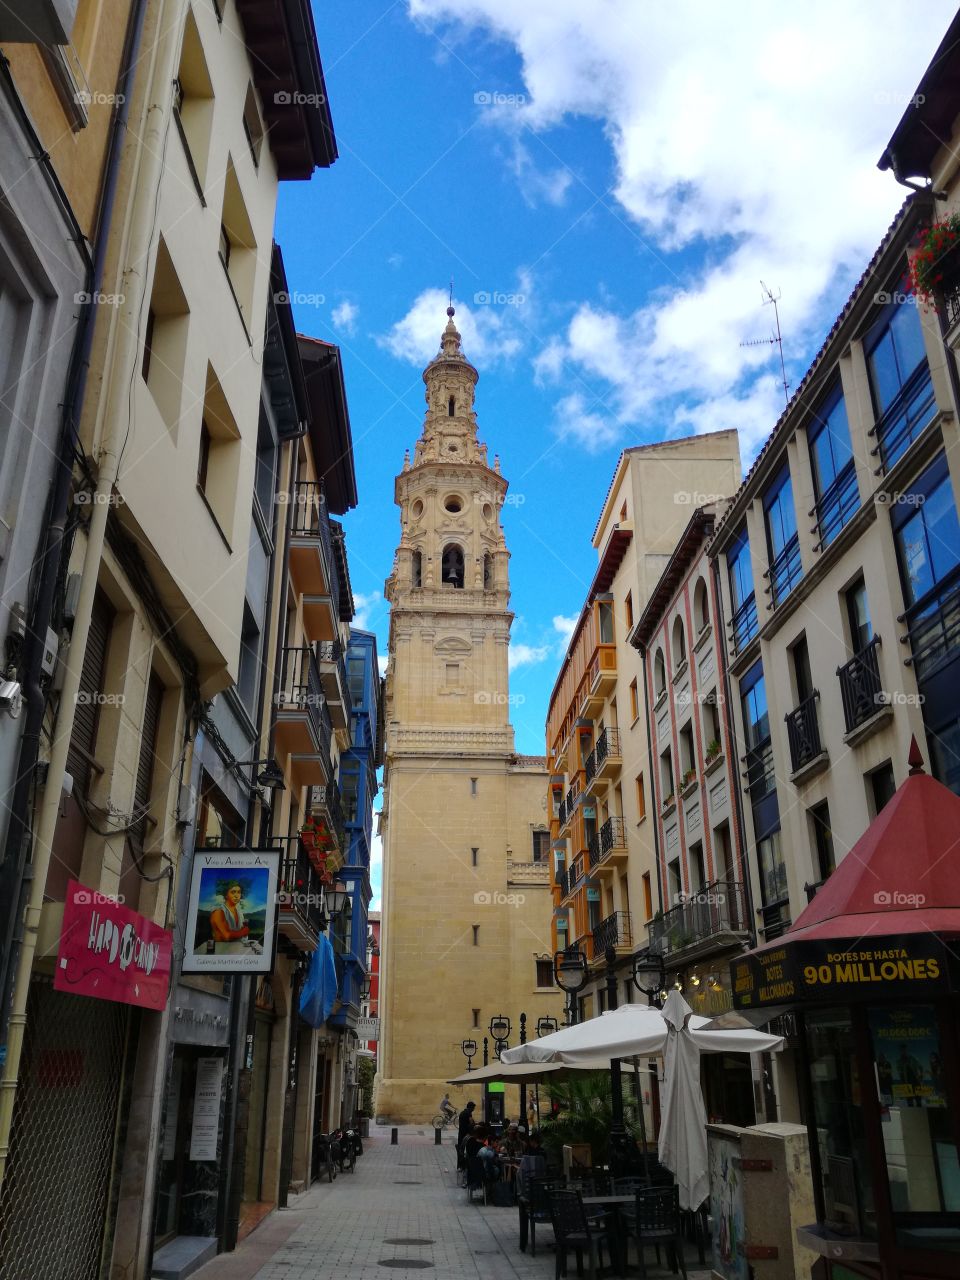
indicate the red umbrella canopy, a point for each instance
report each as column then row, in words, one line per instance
column 902, row 875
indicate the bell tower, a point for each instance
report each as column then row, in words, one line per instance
column 466, row 896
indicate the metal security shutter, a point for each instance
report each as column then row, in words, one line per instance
column 148, row 751
column 87, row 712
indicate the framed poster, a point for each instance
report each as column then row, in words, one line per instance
column 205, row 1133
column 231, row 917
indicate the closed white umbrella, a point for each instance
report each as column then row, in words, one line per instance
column 683, row 1120
column 634, row 1030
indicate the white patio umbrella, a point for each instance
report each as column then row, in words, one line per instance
column 683, row 1119
column 634, row 1030
column 529, row 1072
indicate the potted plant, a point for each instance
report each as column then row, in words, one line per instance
column 668, row 800
column 689, row 776
column 713, row 749
column 936, row 257
column 582, row 1112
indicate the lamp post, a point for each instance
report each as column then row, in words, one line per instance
column 619, row 1140
column 469, row 1050
column 486, row 1085
column 649, row 975
column 546, row 1026
column 523, row 1083
column 570, row 971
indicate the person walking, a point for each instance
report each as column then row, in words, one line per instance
column 465, row 1127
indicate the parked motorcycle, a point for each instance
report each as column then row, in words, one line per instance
column 330, row 1154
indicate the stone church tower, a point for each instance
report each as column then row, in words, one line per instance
column 466, row 898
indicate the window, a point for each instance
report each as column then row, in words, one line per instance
column 89, row 699
column 165, row 339
column 476, row 935
column 148, row 344
column 641, row 798
column 253, row 125
column 634, row 701
column 756, row 731
column 927, row 536
column 742, row 597
column 647, row 897
column 773, row 871
column 834, row 472
column 659, row 673
column 697, row 867
column 800, row 657
column 476, row 1017
column 674, row 881
column 628, row 610
column 825, row 861
column 473, row 786
column 193, row 104
column 453, row 673
column 541, row 845
column 249, row 668
column 605, row 621
column 203, row 459
column 711, row 726
column 880, row 787
column 688, row 760
column 544, row 973
column 903, row 401
column 451, row 407
column 666, row 776
column 416, row 569
column 237, row 245
column 452, row 563
column 783, row 546
column 679, row 644
column 265, row 476
column 701, row 607
column 858, row 617
column 146, row 766
column 218, row 456
column 487, row 571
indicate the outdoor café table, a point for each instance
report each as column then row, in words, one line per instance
column 615, row 1203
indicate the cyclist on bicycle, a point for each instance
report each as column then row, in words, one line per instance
column 447, row 1109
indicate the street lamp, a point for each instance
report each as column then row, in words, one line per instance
column 570, row 971
column 500, row 1028
column 546, row 1026
column 337, row 898
column 649, row 975
column 469, row 1050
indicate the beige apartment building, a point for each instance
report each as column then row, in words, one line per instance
column 466, row 896
column 223, row 103
column 604, row 867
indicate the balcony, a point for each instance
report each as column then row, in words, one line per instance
column 303, row 727
column 861, row 689
column 333, row 678
column 616, row 931
column 744, row 624
column 785, row 572
column 803, row 732
column 324, row 807
column 300, row 900
column 837, row 506
column 933, row 629
column 313, row 566
column 713, row 917
column 569, row 880
column 759, row 773
column 906, row 418
column 600, row 682
column 604, row 761
column 608, row 846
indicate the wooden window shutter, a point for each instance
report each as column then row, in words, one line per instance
column 83, row 738
column 148, row 752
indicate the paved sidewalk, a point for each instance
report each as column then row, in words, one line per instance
column 401, row 1214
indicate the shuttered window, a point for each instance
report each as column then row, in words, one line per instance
column 148, row 753
column 90, row 695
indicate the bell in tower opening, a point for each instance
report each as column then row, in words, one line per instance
column 453, row 565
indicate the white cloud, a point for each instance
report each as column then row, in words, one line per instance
column 491, row 332
column 538, row 185
column 527, row 655
column 369, row 609
column 344, row 316
column 747, row 132
column 564, row 627
column 382, row 660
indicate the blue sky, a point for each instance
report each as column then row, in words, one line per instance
column 607, row 182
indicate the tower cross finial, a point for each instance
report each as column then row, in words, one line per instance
column 451, row 291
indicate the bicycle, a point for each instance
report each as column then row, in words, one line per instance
column 443, row 1118
column 328, row 1156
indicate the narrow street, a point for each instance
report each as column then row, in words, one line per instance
column 400, row 1214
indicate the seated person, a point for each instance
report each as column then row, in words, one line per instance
column 488, row 1161
column 533, row 1162
column 511, row 1143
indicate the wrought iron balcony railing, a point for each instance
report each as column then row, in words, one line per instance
column 590, row 765
column 615, row 931
column 837, row 506
column 608, row 746
column 300, row 690
column 744, row 624
column 933, row 627
column 803, row 732
column 905, row 418
column 785, row 572
column 715, row 911
column 759, row 771
column 861, row 690
column 775, row 919
column 612, row 835
column 301, row 892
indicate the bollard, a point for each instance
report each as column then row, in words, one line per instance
column 393, row 1137
column 437, row 1136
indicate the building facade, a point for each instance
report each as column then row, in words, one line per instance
column 466, row 914
column 604, row 865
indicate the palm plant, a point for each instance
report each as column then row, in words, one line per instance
column 584, row 1114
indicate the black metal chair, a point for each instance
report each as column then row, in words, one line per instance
column 575, row 1231
column 656, row 1221
column 475, row 1178
column 535, row 1206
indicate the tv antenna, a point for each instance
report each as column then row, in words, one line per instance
column 771, row 298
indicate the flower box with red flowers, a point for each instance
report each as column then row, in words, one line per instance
column 935, row 266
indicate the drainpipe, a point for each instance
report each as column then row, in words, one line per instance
column 135, row 243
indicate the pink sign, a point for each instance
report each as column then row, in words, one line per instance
column 111, row 953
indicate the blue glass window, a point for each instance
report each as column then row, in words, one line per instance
column 783, row 544
column 742, row 596
column 756, row 732
column 903, row 398
column 834, row 473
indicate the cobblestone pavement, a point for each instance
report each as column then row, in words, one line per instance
column 402, row 1207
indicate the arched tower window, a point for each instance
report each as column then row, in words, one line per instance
column 487, row 571
column 452, row 565
column 416, row 569
column 701, row 611
column 659, row 673
column 679, row 642
column 450, row 407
